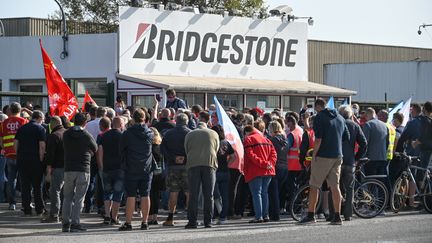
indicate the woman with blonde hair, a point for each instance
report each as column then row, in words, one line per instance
column 278, row 185
column 158, row 181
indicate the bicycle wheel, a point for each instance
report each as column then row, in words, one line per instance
column 427, row 197
column 370, row 198
column 300, row 202
column 399, row 194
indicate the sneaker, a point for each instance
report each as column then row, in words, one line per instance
column 115, row 221
column 347, row 218
column 207, row 225
column 66, row 228
column 307, row 220
column 266, row 220
column 50, row 219
column 12, row 207
column 336, row 222
column 153, row 222
column 168, row 222
column 321, row 216
column 144, row 226
column 191, row 226
column 107, row 220
column 77, row 228
column 125, row 227
column 256, row 221
column 221, row 222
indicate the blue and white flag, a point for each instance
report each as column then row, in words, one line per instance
column 406, row 111
column 231, row 135
column 394, row 110
column 330, row 103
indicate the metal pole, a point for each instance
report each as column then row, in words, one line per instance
column 65, row 38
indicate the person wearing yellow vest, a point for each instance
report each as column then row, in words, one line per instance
column 383, row 116
column 294, row 140
column 8, row 131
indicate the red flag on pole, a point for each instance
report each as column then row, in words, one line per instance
column 61, row 99
column 87, row 98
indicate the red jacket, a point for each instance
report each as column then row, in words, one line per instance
column 259, row 153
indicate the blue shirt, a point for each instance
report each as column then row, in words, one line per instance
column 28, row 137
column 330, row 127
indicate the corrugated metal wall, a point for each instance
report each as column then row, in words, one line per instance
column 399, row 80
column 319, row 52
column 326, row 52
column 43, row 27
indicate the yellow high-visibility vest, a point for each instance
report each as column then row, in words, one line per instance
column 392, row 138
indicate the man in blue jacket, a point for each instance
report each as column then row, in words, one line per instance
column 136, row 153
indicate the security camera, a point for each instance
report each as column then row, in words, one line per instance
column 281, row 10
column 419, row 32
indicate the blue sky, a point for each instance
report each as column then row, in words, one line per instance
column 386, row 22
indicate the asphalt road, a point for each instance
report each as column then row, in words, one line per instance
column 403, row 227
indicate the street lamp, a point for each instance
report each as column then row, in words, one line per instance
column 65, row 38
column 424, row 27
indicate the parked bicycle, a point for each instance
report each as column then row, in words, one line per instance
column 423, row 191
column 370, row 194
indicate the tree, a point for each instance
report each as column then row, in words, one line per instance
column 104, row 13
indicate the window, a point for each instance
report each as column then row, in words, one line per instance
column 227, row 100
column 143, row 101
column 36, row 101
column 265, row 102
column 97, row 90
column 191, row 98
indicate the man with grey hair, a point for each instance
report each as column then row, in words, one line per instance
column 173, row 150
column 55, row 167
column 30, row 147
column 110, row 113
column 349, row 159
column 377, row 136
column 202, row 147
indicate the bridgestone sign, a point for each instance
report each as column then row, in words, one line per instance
column 185, row 44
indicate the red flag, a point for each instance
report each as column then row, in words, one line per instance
column 87, row 98
column 61, row 99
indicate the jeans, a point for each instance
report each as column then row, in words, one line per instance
column 205, row 177
column 292, row 183
column 347, row 190
column 12, row 180
column 31, row 178
column 3, row 178
column 425, row 158
column 74, row 191
column 222, row 191
column 113, row 185
column 55, row 190
column 282, row 181
column 95, row 188
column 273, row 194
column 259, row 186
column 233, row 189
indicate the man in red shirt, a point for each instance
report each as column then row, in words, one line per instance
column 8, row 130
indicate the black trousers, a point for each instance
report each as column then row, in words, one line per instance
column 31, row 178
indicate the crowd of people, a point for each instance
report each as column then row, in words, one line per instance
column 150, row 158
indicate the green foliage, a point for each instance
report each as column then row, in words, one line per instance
column 104, row 13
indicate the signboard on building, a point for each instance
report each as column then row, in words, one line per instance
column 179, row 43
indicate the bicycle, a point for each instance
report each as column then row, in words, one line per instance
column 370, row 194
column 400, row 192
column 300, row 201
